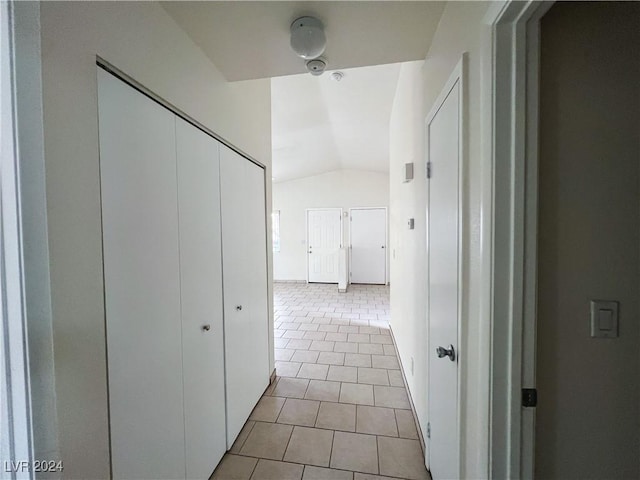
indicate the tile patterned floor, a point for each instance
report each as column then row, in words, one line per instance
column 338, row 408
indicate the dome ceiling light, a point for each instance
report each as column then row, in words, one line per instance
column 307, row 37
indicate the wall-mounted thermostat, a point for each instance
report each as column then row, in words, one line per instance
column 411, row 224
column 604, row 319
column 408, row 172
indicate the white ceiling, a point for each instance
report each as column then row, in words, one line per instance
column 319, row 125
column 248, row 40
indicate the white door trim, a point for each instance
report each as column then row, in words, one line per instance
column 306, row 223
column 386, row 239
column 457, row 77
column 514, row 98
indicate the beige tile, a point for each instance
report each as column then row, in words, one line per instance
column 267, row 440
column 342, row 374
column 305, row 356
column 370, row 348
column 270, row 470
column 319, row 473
column 328, row 328
column 348, row 329
column 359, row 337
column 390, row 350
column 336, row 337
column 376, row 421
column 384, row 339
column 287, row 369
column 311, row 446
column 353, row 451
column 272, row 385
column 299, row 344
column 314, row 335
column 406, row 424
column 331, row 358
column 366, row 476
column 267, row 409
column 395, row 378
column 322, row 346
column 357, row 359
column 242, row 437
column 291, row 387
column 295, row 334
column 356, row 393
column 299, row 412
column 394, row 397
column 321, row 390
column 340, row 321
column 289, row 326
column 280, row 342
column 385, row 361
column 337, row 416
column 234, row 467
column 283, row 354
column 312, row 370
column 373, row 376
column 309, row 327
column 403, row 458
column 345, row 347
column 278, row 333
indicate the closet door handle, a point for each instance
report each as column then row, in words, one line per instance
column 206, row 327
column 238, row 307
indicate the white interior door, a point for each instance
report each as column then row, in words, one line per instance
column 324, row 239
column 142, row 282
column 244, row 247
column 368, row 247
column 201, row 294
column 443, row 243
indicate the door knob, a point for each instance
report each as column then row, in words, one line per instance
column 238, row 307
column 206, row 327
column 382, row 246
column 446, row 352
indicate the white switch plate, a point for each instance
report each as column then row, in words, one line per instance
column 604, row 319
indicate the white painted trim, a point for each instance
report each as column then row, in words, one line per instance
column 306, row 223
column 457, row 77
column 386, row 241
column 514, row 219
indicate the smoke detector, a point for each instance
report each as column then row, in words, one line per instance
column 337, row 76
column 316, row 67
column 307, row 37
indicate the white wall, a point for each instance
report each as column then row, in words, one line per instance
column 340, row 188
column 588, row 415
column 461, row 29
column 143, row 41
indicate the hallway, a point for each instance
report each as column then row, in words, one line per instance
column 338, row 408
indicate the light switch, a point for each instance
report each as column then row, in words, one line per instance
column 604, row 319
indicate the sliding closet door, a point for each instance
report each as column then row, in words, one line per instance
column 201, row 280
column 142, row 282
column 245, row 287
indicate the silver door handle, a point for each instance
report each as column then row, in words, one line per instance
column 446, row 352
column 238, row 307
column 206, row 327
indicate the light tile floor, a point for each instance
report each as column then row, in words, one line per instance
column 338, row 408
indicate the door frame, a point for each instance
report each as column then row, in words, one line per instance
column 386, row 241
column 513, row 220
column 457, row 76
column 306, row 223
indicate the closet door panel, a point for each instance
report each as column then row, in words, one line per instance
column 201, row 293
column 142, row 288
column 246, row 340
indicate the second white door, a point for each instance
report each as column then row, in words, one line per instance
column 324, row 239
column 368, row 234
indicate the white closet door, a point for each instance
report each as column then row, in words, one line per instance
column 245, row 287
column 368, row 236
column 201, row 292
column 142, row 282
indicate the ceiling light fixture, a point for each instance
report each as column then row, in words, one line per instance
column 307, row 37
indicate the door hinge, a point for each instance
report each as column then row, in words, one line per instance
column 428, row 169
column 529, row 397
column 428, row 429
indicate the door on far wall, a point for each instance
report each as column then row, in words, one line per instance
column 324, row 239
column 443, row 244
column 368, row 245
